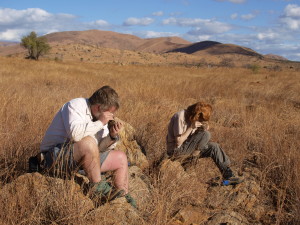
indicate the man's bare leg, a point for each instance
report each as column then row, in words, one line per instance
column 117, row 161
column 87, row 154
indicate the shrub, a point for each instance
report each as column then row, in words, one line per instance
column 35, row 45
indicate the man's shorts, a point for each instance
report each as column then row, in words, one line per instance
column 61, row 158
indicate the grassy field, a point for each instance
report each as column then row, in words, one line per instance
column 256, row 113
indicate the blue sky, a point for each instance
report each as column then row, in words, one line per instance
column 267, row 26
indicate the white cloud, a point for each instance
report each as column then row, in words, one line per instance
column 291, row 17
column 292, row 10
column 159, row 13
column 154, row 34
column 248, row 16
column 291, row 23
column 197, row 38
column 232, row 1
column 234, row 16
column 14, row 24
column 9, row 35
column 269, row 35
column 100, row 23
column 203, row 26
column 132, row 21
column 12, row 16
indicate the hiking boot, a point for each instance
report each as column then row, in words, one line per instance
column 232, row 181
column 227, row 173
column 213, row 182
column 131, row 200
column 101, row 189
column 116, row 194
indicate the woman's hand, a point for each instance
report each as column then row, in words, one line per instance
column 196, row 124
column 205, row 126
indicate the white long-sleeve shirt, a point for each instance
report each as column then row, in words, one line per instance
column 73, row 122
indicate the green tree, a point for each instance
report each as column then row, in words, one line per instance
column 35, row 45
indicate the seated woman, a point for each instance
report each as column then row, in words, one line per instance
column 188, row 135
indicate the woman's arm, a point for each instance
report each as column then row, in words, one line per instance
column 181, row 138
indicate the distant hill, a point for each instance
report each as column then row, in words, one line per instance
column 107, row 39
column 10, row 48
column 277, row 57
column 216, row 48
column 161, row 45
column 110, row 39
column 114, row 40
column 112, row 47
column 192, row 48
column 7, row 43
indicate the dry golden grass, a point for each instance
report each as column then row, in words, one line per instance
column 255, row 114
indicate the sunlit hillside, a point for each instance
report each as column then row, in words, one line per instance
column 256, row 120
column 98, row 46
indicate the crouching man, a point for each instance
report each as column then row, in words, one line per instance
column 188, row 135
column 79, row 137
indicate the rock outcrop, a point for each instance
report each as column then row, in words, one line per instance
column 41, row 198
column 45, row 198
column 129, row 145
column 241, row 204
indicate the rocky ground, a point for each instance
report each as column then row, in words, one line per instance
column 210, row 204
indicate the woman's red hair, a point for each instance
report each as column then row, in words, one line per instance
column 199, row 111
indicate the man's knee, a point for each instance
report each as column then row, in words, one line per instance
column 86, row 145
column 120, row 156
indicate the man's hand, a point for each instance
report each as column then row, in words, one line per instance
column 115, row 129
column 104, row 117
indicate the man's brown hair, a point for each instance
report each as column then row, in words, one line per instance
column 106, row 97
column 199, row 111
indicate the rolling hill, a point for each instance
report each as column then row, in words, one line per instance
column 215, row 48
column 110, row 39
column 112, row 47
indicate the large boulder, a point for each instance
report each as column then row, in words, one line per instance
column 245, row 198
column 38, row 198
column 243, row 195
column 230, row 217
column 216, row 204
column 115, row 212
column 139, row 186
column 173, row 169
column 191, row 215
column 129, row 145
